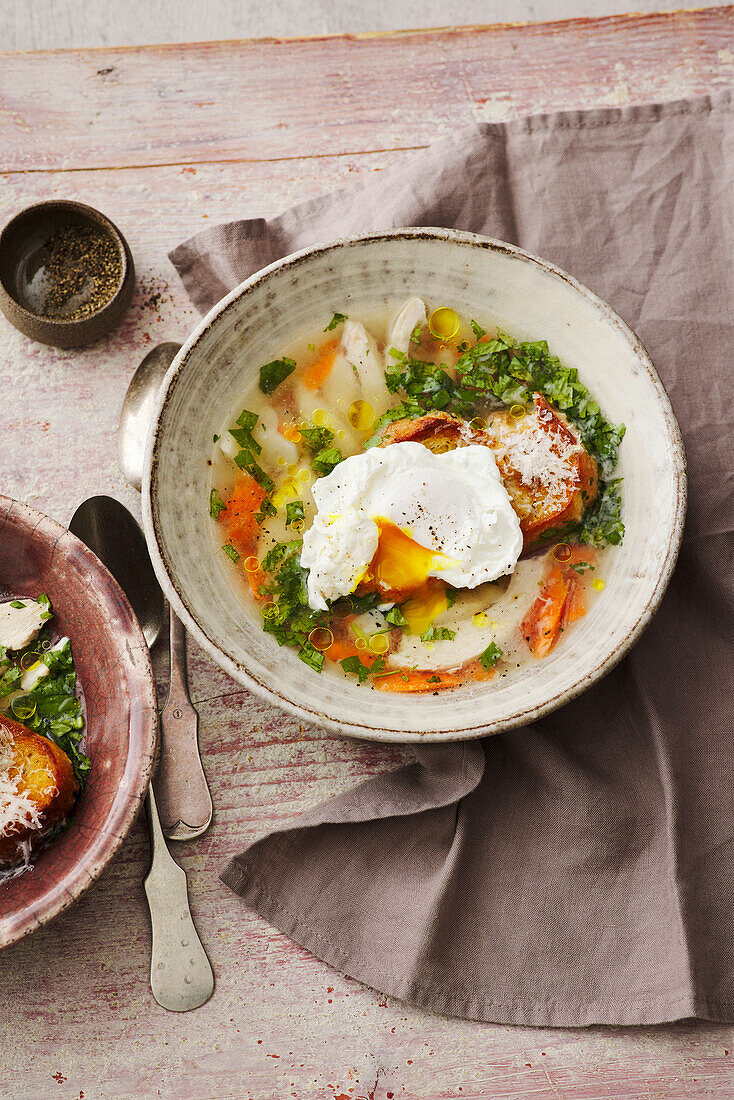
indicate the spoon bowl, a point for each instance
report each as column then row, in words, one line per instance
column 137, row 410
column 106, row 526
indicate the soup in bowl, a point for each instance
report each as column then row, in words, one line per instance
column 414, row 485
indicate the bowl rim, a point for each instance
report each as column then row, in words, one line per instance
column 95, row 217
column 83, row 874
column 238, row 671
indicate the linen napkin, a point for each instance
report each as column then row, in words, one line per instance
column 580, row 870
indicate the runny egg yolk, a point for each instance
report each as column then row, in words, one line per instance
column 422, row 608
column 399, row 561
column 401, row 565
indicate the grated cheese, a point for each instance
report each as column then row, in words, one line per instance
column 543, row 459
column 16, row 808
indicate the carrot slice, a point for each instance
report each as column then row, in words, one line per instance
column 416, row 681
column 427, row 679
column 541, row 625
column 575, row 605
column 243, row 502
column 340, row 650
column 314, row 376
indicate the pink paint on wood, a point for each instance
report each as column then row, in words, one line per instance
column 237, row 101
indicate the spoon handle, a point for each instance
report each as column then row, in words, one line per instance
column 181, row 786
column 181, row 975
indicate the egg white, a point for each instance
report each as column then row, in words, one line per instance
column 453, row 503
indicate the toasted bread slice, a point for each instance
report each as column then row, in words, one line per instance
column 550, row 476
column 38, row 789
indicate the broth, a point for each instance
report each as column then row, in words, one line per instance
column 330, row 384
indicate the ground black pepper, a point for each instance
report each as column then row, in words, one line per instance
column 82, row 270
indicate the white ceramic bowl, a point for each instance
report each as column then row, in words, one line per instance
column 527, row 297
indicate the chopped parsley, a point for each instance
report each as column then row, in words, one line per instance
column 325, row 461
column 245, row 461
column 354, row 665
column 247, row 419
column 438, row 634
column 267, row 508
column 45, row 602
column 293, row 512
column 231, row 552
column 10, row 678
column 316, row 438
column 491, row 655
column 290, row 619
column 17, row 604
column 216, row 504
column 272, row 374
column 395, row 617
column 337, row 319
column 311, row 656
column 365, row 603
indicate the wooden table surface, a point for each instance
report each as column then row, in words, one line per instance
column 167, row 140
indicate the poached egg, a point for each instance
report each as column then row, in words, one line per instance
column 397, row 516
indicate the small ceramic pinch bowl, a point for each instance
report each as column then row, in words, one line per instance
column 28, row 273
column 523, row 295
column 113, row 668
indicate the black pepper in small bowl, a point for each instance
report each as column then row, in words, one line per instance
column 66, row 273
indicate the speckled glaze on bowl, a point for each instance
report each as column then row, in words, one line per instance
column 525, row 296
column 39, row 555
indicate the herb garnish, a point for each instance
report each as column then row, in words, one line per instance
column 290, row 619
column 267, row 508
column 272, row 374
column 316, row 438
column 245, row 461
column 311, row 656
column 438, row 634
column 293, row 512
column 216, row 504
column 491, row 655
column 337, row 319
column 325, row 461
column 231, row 552
column 353, row 664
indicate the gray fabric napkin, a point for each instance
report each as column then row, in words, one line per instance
column 580, row 870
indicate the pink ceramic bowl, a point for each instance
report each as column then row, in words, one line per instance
column 39, row 555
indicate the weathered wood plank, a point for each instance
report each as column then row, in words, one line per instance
column 268, row 99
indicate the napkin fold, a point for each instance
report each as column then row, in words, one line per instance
column 580, row 870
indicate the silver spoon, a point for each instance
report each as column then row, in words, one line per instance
column 181, row 786
column 181, row 976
